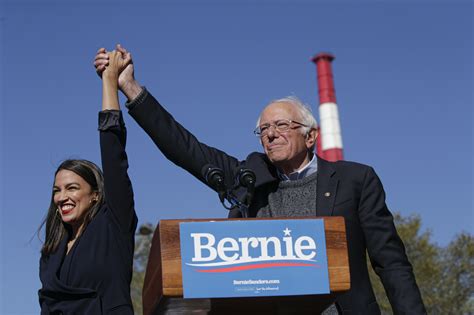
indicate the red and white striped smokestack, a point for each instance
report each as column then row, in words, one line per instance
column 330, row 139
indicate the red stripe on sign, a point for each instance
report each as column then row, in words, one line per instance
column 259, row 266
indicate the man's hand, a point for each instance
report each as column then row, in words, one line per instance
column 127, row 74
column 101, row 61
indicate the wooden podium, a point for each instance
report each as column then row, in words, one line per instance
column 163, row 279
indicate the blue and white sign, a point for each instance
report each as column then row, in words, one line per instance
column 253, row 258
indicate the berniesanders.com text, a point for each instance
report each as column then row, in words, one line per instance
column 259, row 281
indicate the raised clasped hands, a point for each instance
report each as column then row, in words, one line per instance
column 122, row 67
column 117, row 62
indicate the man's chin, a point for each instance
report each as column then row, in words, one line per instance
column 276, row 159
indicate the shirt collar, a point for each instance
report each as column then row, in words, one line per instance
column 305, row 171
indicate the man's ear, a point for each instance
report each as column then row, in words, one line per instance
column 311, row 138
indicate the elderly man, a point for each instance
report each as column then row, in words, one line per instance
column 292, row 181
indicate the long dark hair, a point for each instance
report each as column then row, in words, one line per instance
column 56, row 229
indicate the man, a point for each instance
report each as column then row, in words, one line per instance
column 292, row 181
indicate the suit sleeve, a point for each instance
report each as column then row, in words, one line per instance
column 179, row 145
column 386, row 249
column 117, row 184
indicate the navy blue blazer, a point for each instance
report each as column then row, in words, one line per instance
column 355, row 192
column 94, row 277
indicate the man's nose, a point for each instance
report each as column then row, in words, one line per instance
column 272, row 132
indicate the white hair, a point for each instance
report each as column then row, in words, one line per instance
column 304, row 111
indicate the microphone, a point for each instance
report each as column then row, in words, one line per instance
column 214, row 176
column 246, row 178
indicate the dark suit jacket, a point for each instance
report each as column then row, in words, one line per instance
column 355, row 192
column 94, row 277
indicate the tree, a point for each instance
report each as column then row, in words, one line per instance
column 445, row 276
column 456, row 289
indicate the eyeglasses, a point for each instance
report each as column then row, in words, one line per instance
column 281, row 125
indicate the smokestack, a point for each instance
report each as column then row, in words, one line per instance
column 330, row 140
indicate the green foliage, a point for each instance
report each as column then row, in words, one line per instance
column 457, row 290
column 445, row 276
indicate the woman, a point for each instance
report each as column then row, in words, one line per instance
column 86, row 261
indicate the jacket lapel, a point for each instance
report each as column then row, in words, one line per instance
column 265, row 172
column 326, row 188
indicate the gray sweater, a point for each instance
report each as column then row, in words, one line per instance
column 295, row 198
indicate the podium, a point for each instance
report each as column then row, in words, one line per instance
column 163, row 279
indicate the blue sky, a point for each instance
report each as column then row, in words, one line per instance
column 403, row 76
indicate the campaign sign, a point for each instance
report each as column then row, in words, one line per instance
column 253, row 258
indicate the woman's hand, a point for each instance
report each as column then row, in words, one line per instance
column 117, row 62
